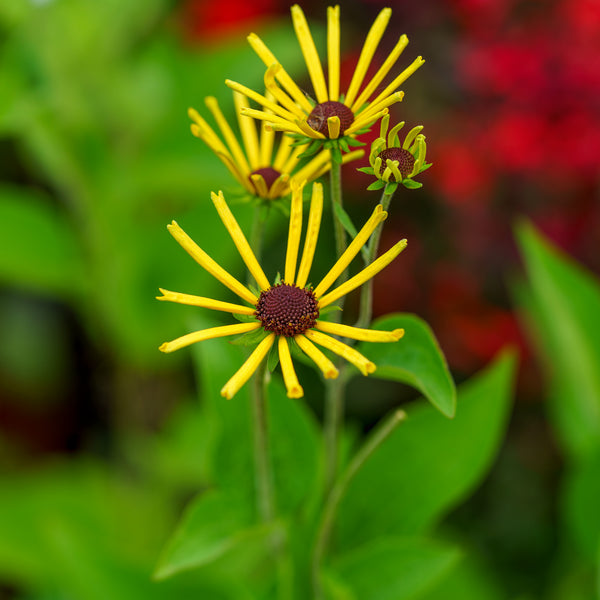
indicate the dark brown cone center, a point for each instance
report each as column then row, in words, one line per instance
column 287, row 310
column 406, row 161
column 317, row 119
column 269, row 174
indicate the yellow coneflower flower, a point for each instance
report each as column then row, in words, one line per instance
column 393, row 163
column 334, row 115
column 288, row 310
column 253, row 164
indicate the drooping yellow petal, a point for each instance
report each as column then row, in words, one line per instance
column 308, row 131
column 327, row 367
column 312, row 234
column 370, row 45
column 363, row 364
column 262, row 100
column 207, row 263
column 239, row 239
column 201, row 129
column 309, row 51
column 356, row 333
column 295, row 230
column 242, row 178
column 190, row 300
column 278, row 93
column 353, row 249
column 333, row 51
column 286, row 81
column 273, row 122
column 392, row 87
column 381, row 73
column 364, row 275
column 232, row 387
column 234, row 146
column 333, row 127
column 248, row 129
column 294, row 389
column 208, row 334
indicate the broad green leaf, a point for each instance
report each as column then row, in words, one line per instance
column 416, row 360
column 566, row 300
column 40, row 251
column 213, row 525
column 428, row 464
column 392, row 569
column 581, row 505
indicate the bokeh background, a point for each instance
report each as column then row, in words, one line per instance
column 96, row 158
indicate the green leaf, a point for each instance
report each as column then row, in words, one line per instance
column 411, row 184
column 566, row 310
column 416, row 359
column 408, row 566
column 428, row 464
column 41, row 251
column 376, row 185
column 213, row 525
column 582, row 499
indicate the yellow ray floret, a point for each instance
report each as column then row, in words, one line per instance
column 232, row 387
column 327, row 367
column 312, row 234
column 208, row 334
column 207, row 263
column 190, row 300
column 356, row 333
column 363, row 364
column 295, row 230
column 294, row 389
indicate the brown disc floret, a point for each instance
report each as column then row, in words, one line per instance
column 406, row 161
column 287, row 309
column 317, row 119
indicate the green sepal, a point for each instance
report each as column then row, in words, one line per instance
column 367, row 170
column 376, row 185
column 278, row 279
column 391, row 187
column 244, row 318
column 411, row 184
column 252, row 338
column 329, row 308
column 336, row 154
column 343, row 144
column 314, row 147
column 273, row 358
column 425, row 167
column 254, row 289
column 353, row 142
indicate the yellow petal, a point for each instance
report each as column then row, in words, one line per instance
column 248, row 129
column 312, row 234
column 333, row 51
column 353, row 249
column 310, row 172
column 201, row 129
column 190, row 300
column 240, row 241
column 260, row 185
column 392, row 87
column 333, row 127
column 208, row 334
column 242, row 178
column 207, row 263
column 262, row 100
column 375, row 107
column 280, row 187
column 327, row 367
column 278, row 93
column 361, row 122
column 286, row 81
column 232, row 387
column 230, row 139
column 273, row 122
column 411, row 136
column 309, row 51
column 284, row 150
column 308, row 131
column 294, row 389
column 392, row 137
column 367, row 53
column 363, row 364
column 267, row 140
column 295, row 230
column 389, row 62
column 364, row 275
column 355, row 333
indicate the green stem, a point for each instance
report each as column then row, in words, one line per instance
column 366, row 293
column 265, row 498
column 334, row 390
column 382, row 432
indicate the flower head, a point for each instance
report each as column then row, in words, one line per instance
column 332, row 115
column 393, row 163
column 288, row 311
column 253, row 164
